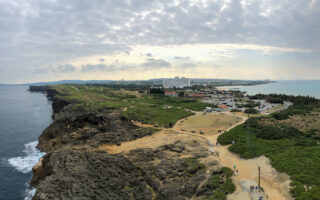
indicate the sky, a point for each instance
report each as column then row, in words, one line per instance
column 52, row 40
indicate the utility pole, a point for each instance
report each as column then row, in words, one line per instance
column 259, row 178
column 248, row 132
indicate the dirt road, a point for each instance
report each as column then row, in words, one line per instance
column 275, row 184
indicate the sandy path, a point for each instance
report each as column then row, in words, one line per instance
column 275, row 185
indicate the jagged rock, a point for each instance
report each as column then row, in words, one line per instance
column 83, row 174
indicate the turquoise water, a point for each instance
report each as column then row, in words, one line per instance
column 310, row 88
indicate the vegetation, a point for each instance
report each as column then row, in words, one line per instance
column 251, row 104
column 235, row 110
column 250, row 111
column 193, row 165
column 292, row 149
column 154, row 108
column 156, row 115
column 156, row 91
column 292, row 110
column 220, row 184
column 279, row 98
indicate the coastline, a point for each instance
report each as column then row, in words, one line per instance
column 290, row 87
column 229, row 87
column 68, row 150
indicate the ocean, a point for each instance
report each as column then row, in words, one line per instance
column 301, row 87
column 23, row 117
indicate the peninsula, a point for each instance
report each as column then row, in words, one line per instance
column 131, row 142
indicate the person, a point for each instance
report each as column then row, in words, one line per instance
column 234, row 166
column 232, row 141
column 237, row 171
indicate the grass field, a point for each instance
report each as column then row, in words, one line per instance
column 209, row 123
column 156, row 115
column 141, row 107
column 297, row 156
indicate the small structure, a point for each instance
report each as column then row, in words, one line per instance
column 170, row 93
column 197, row 95
column 223, row 106
column 208, row 109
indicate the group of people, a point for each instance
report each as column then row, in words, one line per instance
column 254, row 188
column 235, row 169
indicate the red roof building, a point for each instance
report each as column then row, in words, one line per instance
column 170, row 93
column 223, row 106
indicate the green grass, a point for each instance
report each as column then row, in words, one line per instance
column 193, row 165
column 220, row 185
column 298, row 157
column 145, row 108
column 156, row 115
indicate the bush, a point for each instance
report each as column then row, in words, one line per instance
column 227, row 171
column 251, row 111
column 193, row 165
column 214, row 182
column 235, row 110
column 271, row 132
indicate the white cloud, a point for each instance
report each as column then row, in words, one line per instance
column 53, row 32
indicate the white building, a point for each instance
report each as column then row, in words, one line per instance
column 176, row 82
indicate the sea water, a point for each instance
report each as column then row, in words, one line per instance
column 23, row 117
column 300, row 87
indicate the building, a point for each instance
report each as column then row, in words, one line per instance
column 195, row 95
column 223, row 106
column 171, row 93
column 176, row 82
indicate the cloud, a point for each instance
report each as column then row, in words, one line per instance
column 42, row 70
column 94, row 68
column 181, row 58
column 102, row 60
column 42, row 33
column 156, row 63
column 188, row 65
column 67, row 68
column 149, row 54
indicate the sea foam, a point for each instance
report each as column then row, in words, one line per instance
column 25, row 163
column 29, row 193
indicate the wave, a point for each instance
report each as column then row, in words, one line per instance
column 29, row 192
column 24, row 164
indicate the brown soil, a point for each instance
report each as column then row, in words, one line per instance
column 275, row 184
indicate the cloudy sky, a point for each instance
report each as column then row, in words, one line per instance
column 141, row 39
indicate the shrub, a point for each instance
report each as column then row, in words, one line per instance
column 251, row 111
column 193, row 165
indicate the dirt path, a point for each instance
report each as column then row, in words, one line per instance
column 275, row 184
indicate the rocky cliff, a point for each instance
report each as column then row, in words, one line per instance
column 75, row 168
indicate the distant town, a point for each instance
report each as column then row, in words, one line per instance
column 222, row 100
